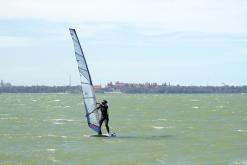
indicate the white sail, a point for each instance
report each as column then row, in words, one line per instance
column 89, row 98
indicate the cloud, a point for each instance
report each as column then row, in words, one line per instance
column 156, row 16
column 89, row 30
column 13, row 41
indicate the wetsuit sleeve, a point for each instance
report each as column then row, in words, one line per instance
column 99, row 106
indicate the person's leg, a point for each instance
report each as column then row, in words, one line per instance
column 100, row 124
column 106, row 125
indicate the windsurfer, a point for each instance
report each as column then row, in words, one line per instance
column 104, row 116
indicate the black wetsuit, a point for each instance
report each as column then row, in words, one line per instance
column 104, row 117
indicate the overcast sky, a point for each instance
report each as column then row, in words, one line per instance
column 199, row 42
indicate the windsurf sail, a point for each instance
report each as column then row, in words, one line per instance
column 88, row 94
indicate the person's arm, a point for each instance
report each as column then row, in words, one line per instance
column 98, row 106
column 94, row 109
column 91, row 112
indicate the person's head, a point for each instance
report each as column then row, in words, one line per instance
column 104, row 102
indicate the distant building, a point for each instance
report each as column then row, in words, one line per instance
column 109, row 85
column 97, row 87
column 120, row 85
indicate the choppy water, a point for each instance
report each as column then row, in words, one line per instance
column 151, row 129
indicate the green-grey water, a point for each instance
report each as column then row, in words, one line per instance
column 151, row 129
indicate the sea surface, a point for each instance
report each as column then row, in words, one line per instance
column 171, row 129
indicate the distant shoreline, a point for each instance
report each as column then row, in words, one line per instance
column 164, row 89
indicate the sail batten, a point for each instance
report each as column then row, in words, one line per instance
column 89, row 98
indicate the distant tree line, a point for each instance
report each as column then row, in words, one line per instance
column 159, row 89
column 40, row 89
column 189, row 89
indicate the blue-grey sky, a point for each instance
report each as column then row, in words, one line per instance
column 199, row 42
